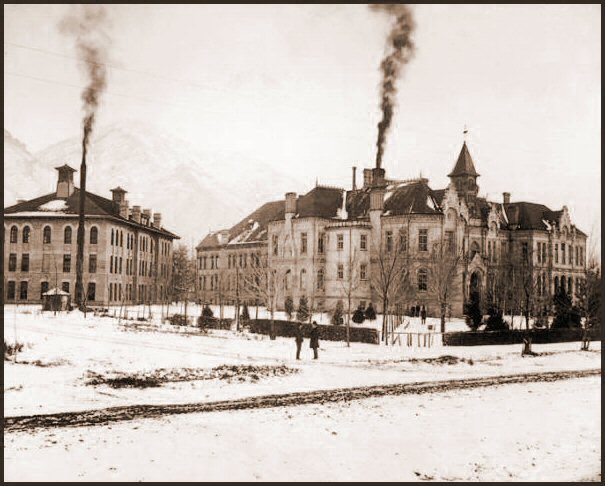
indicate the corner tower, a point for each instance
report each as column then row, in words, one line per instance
column 464, row 176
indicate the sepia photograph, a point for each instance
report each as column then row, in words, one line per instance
column 302, row 242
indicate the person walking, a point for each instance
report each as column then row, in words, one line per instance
column 299, row 339
column 314, row 344
column 423, row 315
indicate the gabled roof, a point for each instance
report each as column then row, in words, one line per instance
column 527, row 215
column 319, row 202
column 464, row 165
column 49, row 205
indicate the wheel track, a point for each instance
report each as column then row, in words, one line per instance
column 124, row 413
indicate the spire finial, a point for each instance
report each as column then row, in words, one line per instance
column 465, row 132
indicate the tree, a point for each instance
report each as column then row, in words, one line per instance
column 302, row 314
column 245, row 313
column 358, row 315
column 588, row 294
column 183, row 275
column 338, row 313
column 351, row 280
column 289, row 307
column 370, row 313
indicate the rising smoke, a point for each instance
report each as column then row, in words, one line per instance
column 87, row 24
column 400, row 49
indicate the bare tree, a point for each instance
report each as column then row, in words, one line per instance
column 351, row 281
column 183, row 274
column 588, row 294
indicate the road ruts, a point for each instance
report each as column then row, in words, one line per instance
column 111, row 415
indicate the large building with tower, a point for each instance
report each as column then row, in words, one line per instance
column 127, row 252
column 332, row 242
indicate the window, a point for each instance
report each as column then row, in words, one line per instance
column 389, row 241
column 67, row 235
column 120, row 270
column 570, row 255
column 94, row 235
column 320, row 243
column 341, row 271
column 544, row 254
column 363, row 271
column 363, row 242
column 121, row 238
column 577, row 255
column 10, row 290
column 91, row 291
column 66, row 263
column 275, row 244
column 25, row 262
column 423, row 240
column 320, row 279
column 92, row 264
column 23, row 291
column 46, row 235
column 303, row 243
column 524, row 250
column 340, row 242
column 111, row 264
column 303, row 278
column 111, row 236
column 287, row 280
column 43, row 289
column 556, row 285
column 539, row 285
column 422, row 280
column 12, row 262
column 46, row 262
column 26, row 233
column 450, row 244
column 14, row 234
column 557, row 253
column 563, row 253
column 403, row 242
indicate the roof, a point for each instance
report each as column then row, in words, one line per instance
column 51, row 206
column 55, row 291
column 464, row 165
column 531, row 216
column 320, row 202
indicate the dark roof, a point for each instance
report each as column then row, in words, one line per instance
column 320, row 202
column 94, row 205
column 527, row 215
column 464, row 165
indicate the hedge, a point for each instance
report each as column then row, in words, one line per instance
column 538, row 336
column 326, row 332
column 214, row 323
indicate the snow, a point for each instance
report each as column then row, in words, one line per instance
column 244, row 235
column 26, row 214
column 342, row 211
column 54, row 205
column 66, row 346
column 522, row 432
column 430, row 203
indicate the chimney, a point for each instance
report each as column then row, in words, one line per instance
column 291, row 203
column 136, row 214
column 378, row 177
column 124, row 209
column 354, row 186
column 377, row 199
column 157, row 220
column 65, row 181
column 147, row 218
column 367, row 178
column 506, row 197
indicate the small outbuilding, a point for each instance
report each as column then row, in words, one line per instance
column 56, row 300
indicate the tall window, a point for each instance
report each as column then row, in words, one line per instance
column 389, row 241
column 320, row 242
column 303, row 278
column 563, row 253
column 570, row 255
column 303, row 243
column 275, row 244
column 320, row 279
column 524, row 250
column 12, row 262
column 112, row 236
column 557, row 253
column 91, row 291
column 66, row 263
column 539, row 285
column 65, row 286
column 14, row 234
column 423, row 240
column 340, row 242
column 341, row 271
column 67, row 235
column 94, row 235
column 121, row 238
column 422, row 279
column 363, row 242
column 43, row 289
column 363, row 271
column 10, row 290
column 46, row 235
column 26, row 233
column 449, row 241
column 92, row 264
column 403, row 242
column 23, row 290
column 25, row 262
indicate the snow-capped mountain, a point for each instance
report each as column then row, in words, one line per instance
column 194, row 191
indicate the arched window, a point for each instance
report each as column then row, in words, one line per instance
column 556, row 285
column 287, row 280
column 303, row 278
column 46, row 235
column 67, row 235
column 474, row 249
column 422, row 279
column 563, row 284
column 26, row 234
column 570, row 285
column 14, row 234
column 320, row 279
column 94, row 235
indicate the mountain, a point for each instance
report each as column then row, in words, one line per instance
column 194, row 191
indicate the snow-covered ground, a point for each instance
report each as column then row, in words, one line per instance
column 537, row 431
column 59, row 350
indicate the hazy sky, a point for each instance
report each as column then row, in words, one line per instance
column 297, row 87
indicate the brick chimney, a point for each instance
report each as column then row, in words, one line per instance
column 354, row 185
column 157, row 220
column 118, row 196
column 290, row 203
column 506, row 197
column 65, row 181
column 147, row 219
column 367, row 178
column 136, row 214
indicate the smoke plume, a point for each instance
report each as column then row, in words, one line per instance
column 400, row 49
column 87, row 25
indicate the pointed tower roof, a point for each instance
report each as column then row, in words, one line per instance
column 464, row 164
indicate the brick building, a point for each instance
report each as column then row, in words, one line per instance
column 318, row 242
column 127, row 252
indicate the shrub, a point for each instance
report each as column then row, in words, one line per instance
column 337, row 316
column 11, row 350
column 495, row 322
column 370, row 313
column 204, row 323
column 566, row 315
column 207, row 311
column 178, row 320
column 289, row 307
column 358, row 315
column 302, row 315
column 473, row 314
column 326, row 332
